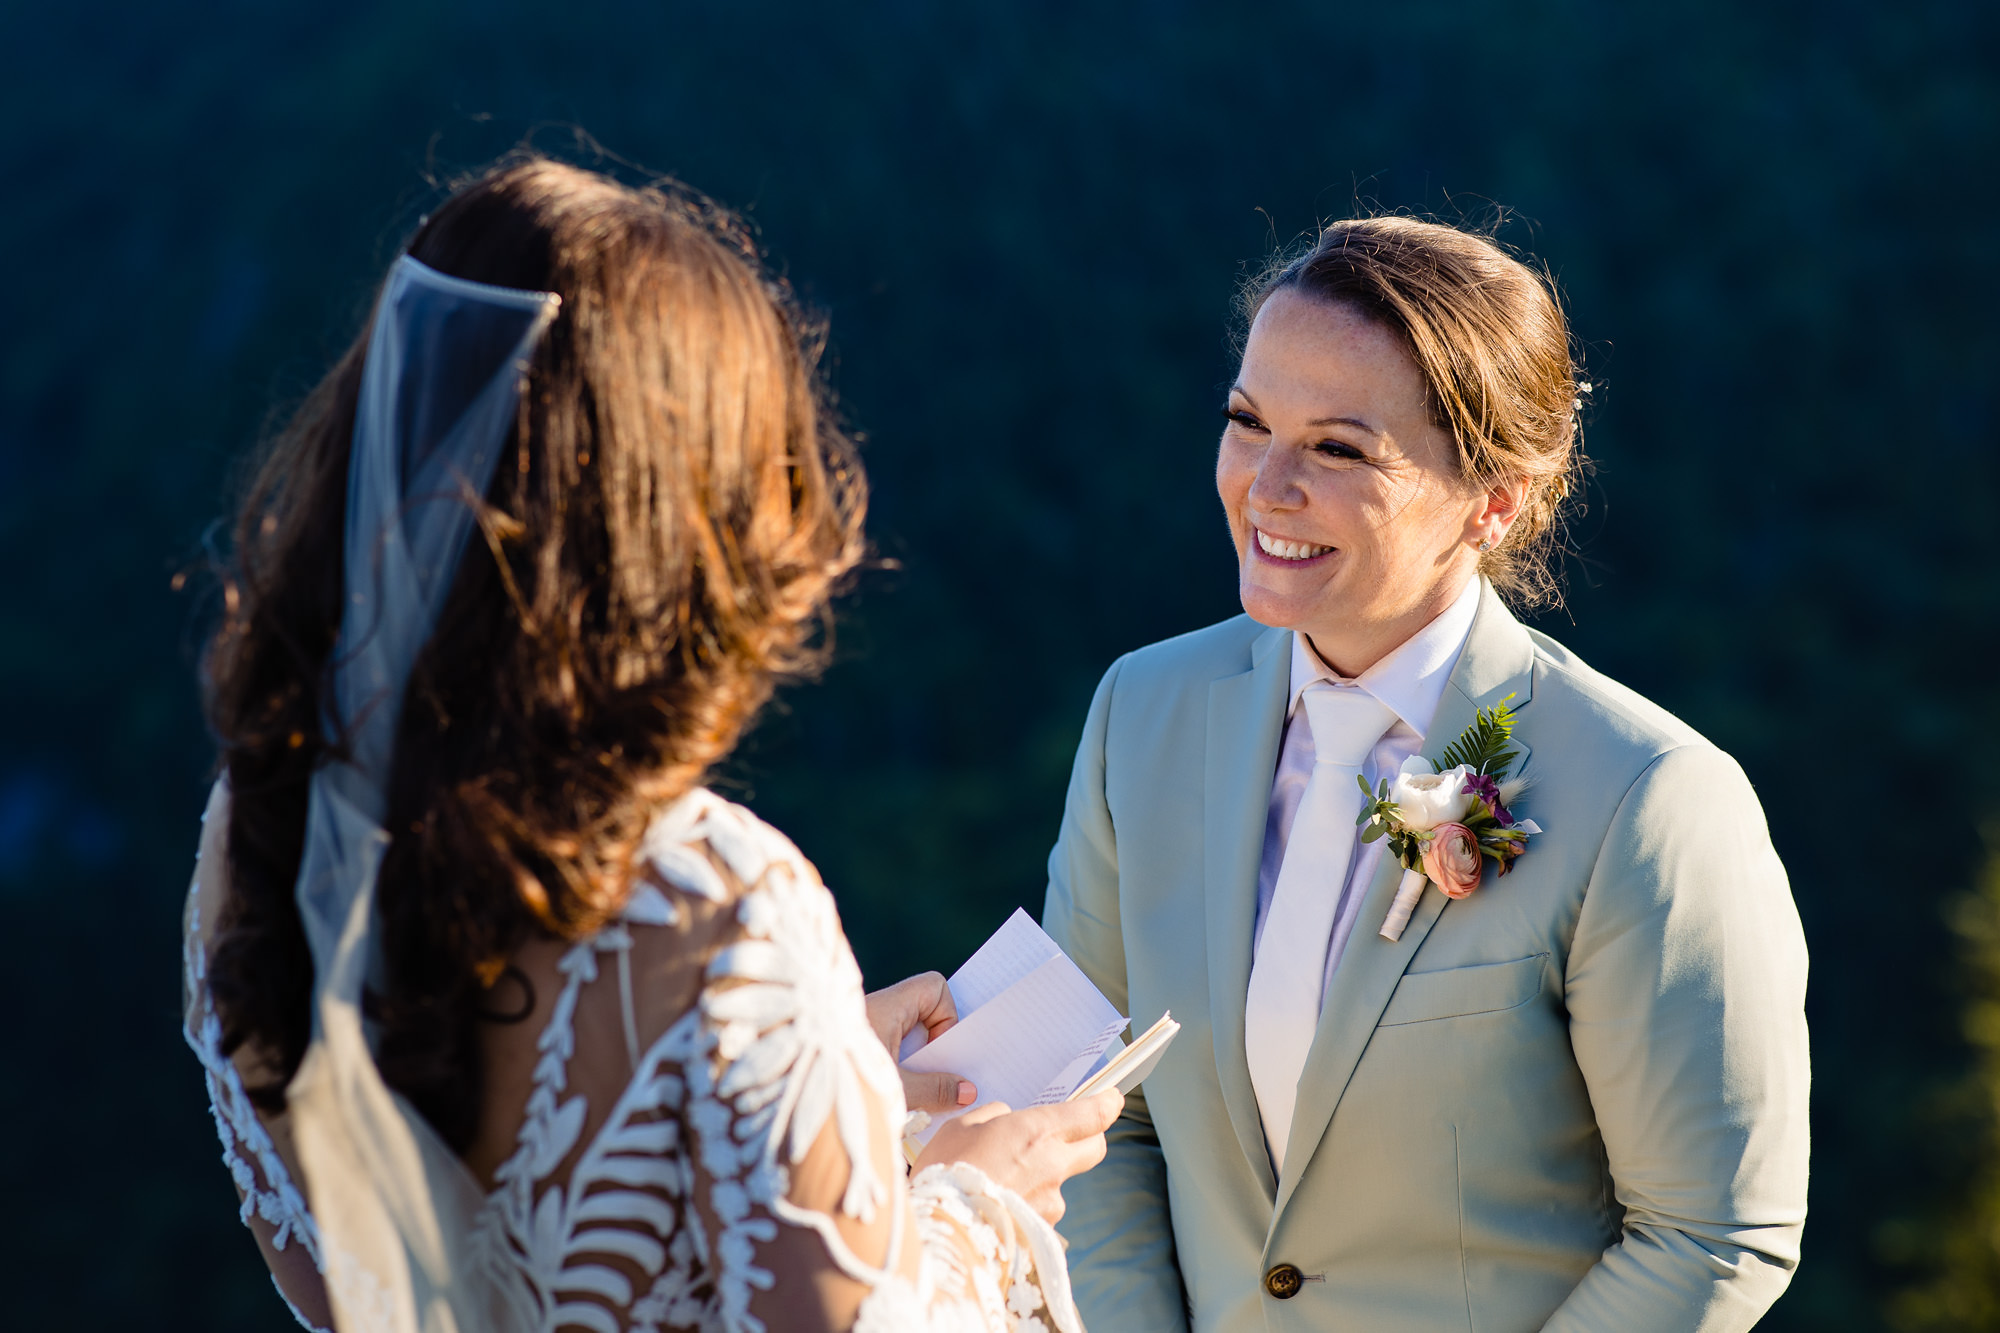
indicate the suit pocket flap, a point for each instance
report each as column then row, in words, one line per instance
column 1480, row 989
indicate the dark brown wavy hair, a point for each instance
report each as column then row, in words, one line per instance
column 661, row 541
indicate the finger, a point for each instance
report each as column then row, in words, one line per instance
column 1109, row 1105
column 920, row 1001
column 1091, row 1115
column 990, row 1111
column 892, row 1013
column 1083, row 1154
column 935, row 1008
column 936, row 1092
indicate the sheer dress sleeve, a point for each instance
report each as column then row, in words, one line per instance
column 796, row 1112
column 271, row 1204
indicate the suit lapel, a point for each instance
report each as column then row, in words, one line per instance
column 1498, row 660
column 1246, row 722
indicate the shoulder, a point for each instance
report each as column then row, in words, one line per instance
column 1624, row 740
column 778, row 960
column 717, row 850
column 738, row 869
column 741, row 905
column 1627, row 718
column 1191, row 660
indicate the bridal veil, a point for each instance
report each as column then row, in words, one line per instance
column 396, row 1209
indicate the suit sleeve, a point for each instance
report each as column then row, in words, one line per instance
column 1116, row 1220
column 1686, row 990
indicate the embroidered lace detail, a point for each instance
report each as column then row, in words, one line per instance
column 691, row 1172
column 267, row 1187
column 626, row 1195
column 960, row 1211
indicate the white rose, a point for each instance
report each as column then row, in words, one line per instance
column 1428, row 799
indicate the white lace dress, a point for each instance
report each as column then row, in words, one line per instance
column 744, row 1175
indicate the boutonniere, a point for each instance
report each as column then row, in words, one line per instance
column 1445, row 820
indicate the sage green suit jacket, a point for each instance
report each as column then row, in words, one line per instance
column 1575, row 1100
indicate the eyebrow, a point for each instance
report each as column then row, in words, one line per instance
column 1356, row 422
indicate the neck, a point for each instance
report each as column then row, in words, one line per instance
column 1352, row 646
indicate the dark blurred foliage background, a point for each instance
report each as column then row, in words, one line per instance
column 1026, row 222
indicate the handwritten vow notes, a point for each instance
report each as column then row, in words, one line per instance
column 1032, row 1029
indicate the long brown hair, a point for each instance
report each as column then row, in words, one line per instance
column 1488, row 335
column 658, row 548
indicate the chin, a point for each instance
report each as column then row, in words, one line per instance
column 1275, row 609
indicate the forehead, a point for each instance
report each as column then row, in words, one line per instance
column 1316, row 358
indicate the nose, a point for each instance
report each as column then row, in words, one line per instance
column 1276, row 488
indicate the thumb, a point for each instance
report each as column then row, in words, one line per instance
column 936, row 1092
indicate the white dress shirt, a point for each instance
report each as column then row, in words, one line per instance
column 1410, row 681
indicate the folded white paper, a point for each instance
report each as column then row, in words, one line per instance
column 1031, row 1026
column 1129, row 1068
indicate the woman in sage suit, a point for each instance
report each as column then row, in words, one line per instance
column 1573, row 1097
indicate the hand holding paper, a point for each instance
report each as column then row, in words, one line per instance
column 1032, row 1028
column 1031, row 1151
column 920, row 1005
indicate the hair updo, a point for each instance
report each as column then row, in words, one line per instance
column 1488, row 335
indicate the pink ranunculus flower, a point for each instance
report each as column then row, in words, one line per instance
column 1451, row 860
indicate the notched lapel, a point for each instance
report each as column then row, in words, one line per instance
column 1498, row 660
column 1246, row 722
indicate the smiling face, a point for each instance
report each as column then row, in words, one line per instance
column 1352, row 522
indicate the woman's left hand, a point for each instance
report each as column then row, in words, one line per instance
column 922, row 1001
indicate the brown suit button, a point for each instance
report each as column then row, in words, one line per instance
column 1284, row 1281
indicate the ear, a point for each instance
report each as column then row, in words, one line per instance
column 1497, row 510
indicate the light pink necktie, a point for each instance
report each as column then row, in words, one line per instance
column 1289, row 973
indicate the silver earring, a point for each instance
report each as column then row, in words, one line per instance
column 1484, row 546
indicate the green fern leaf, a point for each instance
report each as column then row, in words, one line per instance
column 1484, row 747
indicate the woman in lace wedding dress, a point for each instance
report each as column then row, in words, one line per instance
column 507, row 1022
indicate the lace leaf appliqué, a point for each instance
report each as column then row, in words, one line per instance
column 725, row 1102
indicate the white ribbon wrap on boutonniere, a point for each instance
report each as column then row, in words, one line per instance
column 1445, row 820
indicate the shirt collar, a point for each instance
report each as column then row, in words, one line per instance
column 1410, row 680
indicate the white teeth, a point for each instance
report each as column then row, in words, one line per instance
column 1284, row 550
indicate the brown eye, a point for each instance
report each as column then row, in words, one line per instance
column 1240, row 418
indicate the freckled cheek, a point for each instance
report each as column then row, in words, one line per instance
column 1347, row 510
column 1372, row 532
column 1232, row 483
